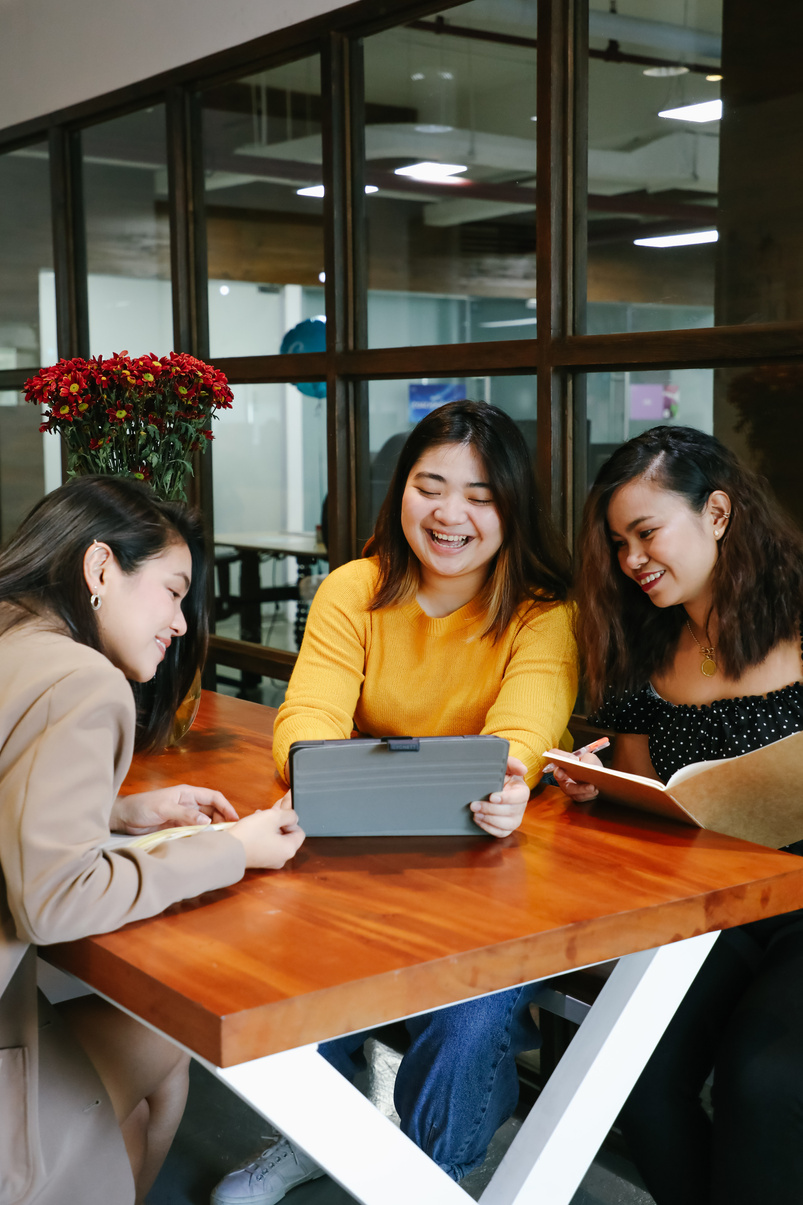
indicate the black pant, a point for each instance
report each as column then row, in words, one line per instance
column 743, row 1016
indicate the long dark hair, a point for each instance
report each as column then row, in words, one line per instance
column 41, row 573
column 757, row 583
column 532, row 563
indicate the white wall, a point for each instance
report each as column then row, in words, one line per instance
column 55, row 53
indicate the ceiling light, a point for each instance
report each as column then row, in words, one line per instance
column 533, row 119
column 708, row 110
column 713, row 79
column 665, row 72
column 679, row 240
column 509, row 322
column 224, row 290
column 431, row 172
column 322, row 277
column 317, row 190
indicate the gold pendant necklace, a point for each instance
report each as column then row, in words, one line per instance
column 709, row 666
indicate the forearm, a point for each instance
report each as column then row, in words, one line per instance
column 327, row 679
column 538, row 691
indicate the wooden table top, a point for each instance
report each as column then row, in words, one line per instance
column 281, row 543
column 356, row 932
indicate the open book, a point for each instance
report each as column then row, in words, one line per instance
column 148, row 841
column 757, row 796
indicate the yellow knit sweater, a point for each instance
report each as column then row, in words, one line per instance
column 398, row 672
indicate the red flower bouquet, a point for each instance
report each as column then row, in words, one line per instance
column 133, row 417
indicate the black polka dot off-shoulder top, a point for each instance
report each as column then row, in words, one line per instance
column 680, row 733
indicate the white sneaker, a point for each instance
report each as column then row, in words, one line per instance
column 267, row 1178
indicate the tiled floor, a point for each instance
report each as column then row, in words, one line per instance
column 219, row 1131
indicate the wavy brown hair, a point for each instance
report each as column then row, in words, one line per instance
column 41, row 573
column 757, row 581
column 532, row 563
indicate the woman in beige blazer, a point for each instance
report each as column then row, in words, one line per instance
column 101, row 588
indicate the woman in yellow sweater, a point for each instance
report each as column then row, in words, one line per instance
column 454, row 622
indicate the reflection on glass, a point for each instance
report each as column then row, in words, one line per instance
column 264, row 207
column 22, row 467
column 450, row 124
column 269, row 479
column 128, row 234
column 394, row 407
column 761, row 405
column 27, row 296
column 652, row 175
column 624, row 404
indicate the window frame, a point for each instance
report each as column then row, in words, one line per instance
column 559, row 355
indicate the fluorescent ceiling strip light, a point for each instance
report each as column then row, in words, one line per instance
column 431, row 172
column 679, row 240
column 707, row 110
column 317, row 190
column 500, row 322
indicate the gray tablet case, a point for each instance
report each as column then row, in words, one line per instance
column 396, row 786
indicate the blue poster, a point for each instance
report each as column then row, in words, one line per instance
column 423, row 399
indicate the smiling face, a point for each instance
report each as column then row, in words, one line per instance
column 449, row 518
column 140, row 612
column 666, row 547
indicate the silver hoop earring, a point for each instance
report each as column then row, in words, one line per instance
column 95, row 602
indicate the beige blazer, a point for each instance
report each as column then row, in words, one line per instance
column 66, row 739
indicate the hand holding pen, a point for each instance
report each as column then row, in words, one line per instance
column 579, row 792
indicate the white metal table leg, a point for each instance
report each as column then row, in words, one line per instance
column 304, row 1097
column 565, row 1128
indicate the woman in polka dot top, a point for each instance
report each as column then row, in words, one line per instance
column 690, row 595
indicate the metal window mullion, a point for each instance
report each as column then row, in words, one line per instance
column 577, row 461
column 553, row 286
column 338, row 265
column 69, row 242
column 187, row 235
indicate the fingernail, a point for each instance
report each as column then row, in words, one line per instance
column 550, row 768
column 495, row 798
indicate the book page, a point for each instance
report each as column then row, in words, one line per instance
column 646, row 794
column 758, row 796
column 148, row 841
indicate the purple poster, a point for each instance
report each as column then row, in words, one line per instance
column 654, row 402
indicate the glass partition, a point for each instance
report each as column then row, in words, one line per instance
column 22, row 462
column 27, row 293
column 624, row 404
column 269, row 481
column 450, row 128
column 128, row 234
column 264, row 210
column 654, row 84
column 394, row 407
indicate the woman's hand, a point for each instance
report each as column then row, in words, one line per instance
column 578, row 792
column 168, row 808
column 272, row 837
column 503, row 812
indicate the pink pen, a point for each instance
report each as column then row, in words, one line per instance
column 601, row 743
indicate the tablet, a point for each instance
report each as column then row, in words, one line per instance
column 394, row 786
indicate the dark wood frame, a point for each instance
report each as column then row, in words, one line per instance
column 561, row 354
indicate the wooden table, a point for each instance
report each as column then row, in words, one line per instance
column 250, row 548
column 359, row 932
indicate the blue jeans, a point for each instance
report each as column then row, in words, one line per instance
column 457, row 1083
